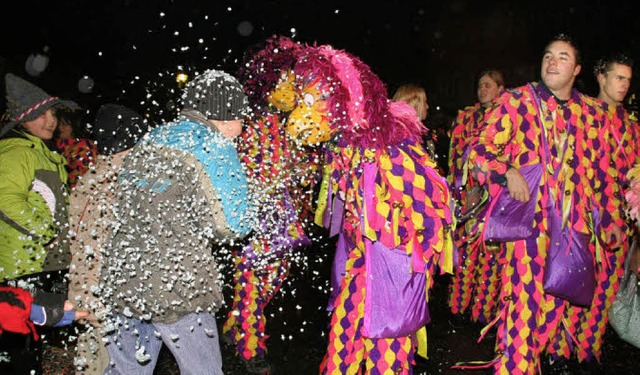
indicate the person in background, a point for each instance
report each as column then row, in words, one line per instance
column 618, row 154
column 75, row 145
column 116, row 130
column 181, row 191
column 281, row 175
column 552, row 113
column 474, row 287
column 34, row 249
column 416, row 96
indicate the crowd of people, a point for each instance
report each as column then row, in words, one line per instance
column 119, row 230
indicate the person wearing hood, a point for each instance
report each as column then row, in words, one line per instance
column 34, row 251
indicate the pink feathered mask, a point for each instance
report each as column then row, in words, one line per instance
column 358, row 105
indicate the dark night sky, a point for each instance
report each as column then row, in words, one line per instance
column 441, row 45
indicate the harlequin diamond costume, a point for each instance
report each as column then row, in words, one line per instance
column 531, row 126
column 617, row 155
column 282, row 176
column 474, row 286
column 384, row 199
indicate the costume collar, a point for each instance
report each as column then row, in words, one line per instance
column 545, row 94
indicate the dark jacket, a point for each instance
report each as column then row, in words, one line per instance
column 180, row 190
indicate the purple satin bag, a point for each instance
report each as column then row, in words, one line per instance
column 395, row 303
column 509, row 219
column 338, row 268
column 569, row 270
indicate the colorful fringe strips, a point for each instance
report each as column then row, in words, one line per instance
column 282, row 177
column 404, row 204
column 254, row 288
column 474, row 286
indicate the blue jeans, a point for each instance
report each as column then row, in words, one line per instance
column 193, row 341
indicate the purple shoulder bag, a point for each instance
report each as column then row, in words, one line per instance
column 569, row 270
column 509, row 219
column 395, row 303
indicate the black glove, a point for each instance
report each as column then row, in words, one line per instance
column 52, row 311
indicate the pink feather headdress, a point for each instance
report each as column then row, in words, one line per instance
column 264, row 64
column 362, row 115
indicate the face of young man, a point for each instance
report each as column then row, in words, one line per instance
column 229, row 129
column 43, row 126
column 615, row 83
column 559, row 68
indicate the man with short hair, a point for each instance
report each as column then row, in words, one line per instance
column 548, row 123
column 617, row 156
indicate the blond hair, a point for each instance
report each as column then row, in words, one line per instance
column 413, row 95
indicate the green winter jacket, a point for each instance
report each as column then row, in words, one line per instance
column 33, row 207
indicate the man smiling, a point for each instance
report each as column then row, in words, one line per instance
column 547, row 123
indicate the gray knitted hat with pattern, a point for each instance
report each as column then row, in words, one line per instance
column 26, row 102
column 217, row 95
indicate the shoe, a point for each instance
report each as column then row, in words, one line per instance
column 258, row 365
column 227, row 341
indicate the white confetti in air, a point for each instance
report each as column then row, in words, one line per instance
column 142, row 356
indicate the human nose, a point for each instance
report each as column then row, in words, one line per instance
column 51, row 118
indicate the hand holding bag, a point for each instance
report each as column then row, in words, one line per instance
column 624, row 315
column 509, row 219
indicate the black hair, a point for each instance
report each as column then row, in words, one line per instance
column 564, row 37
column 604, row 64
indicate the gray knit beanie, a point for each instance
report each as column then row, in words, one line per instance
column 217, row 95
column 26, row 102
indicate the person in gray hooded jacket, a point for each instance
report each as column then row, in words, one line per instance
column 180, row 189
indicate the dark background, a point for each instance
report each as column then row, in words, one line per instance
column 132, row 49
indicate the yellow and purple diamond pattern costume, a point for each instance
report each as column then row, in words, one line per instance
column 379, row 186
column 530, row 321
column 474, row 286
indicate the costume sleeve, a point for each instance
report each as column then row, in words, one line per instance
column 456, row 149
column 490, row 156
column 27, row 213
column 606, row 185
